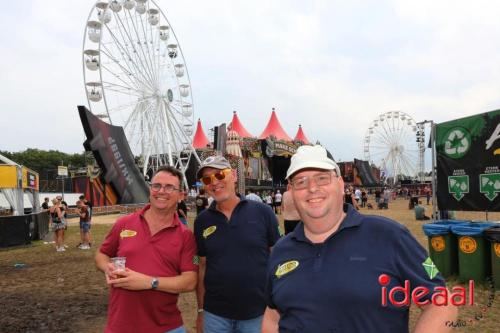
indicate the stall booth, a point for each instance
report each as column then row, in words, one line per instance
column 20, row 217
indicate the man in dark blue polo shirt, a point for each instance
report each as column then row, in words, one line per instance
column 336, row 271
column 234, row 236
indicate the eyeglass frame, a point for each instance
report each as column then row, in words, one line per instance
column 331, row 174
column 212, row 177
column 167, row 188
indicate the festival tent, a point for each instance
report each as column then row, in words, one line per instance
column 239, row 128
column 274, row 128
column 300, row 136
column 200, row 140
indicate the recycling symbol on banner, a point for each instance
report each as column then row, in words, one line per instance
column 457, row 142
column 489, row 185
column 458, row 186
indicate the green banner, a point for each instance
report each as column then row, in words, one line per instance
column 468, row 163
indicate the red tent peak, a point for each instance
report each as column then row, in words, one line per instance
column 200, row 140
column 238, row 127
column 274, row 128
column 300, row 136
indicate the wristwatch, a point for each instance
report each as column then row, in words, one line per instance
column 154, row 283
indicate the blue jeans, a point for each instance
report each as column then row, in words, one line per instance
column 215, row 324
column 180, row 329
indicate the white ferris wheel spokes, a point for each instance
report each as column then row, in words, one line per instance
column 391, row 143
column 136, row 77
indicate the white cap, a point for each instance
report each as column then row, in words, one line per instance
column 314, row 157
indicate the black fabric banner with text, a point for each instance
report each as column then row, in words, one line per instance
column 468, row 163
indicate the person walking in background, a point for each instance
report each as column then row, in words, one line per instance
column 90, row 208
column 234, row 237
column 45, row 204
column 350, row 199
column 277, row 202
column 201, row 201
column 386, row 196
column 182, row 208
column 58, row 224
column 357, row 196
column 326, row 275
column 253, row 196
column 161, row 262
column 290, row 214
column 364, row 197
column 269, row 199
column 84, row 213
column 428, row 194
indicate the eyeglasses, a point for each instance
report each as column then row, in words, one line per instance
column 167, row 188
column 219, row 175
column 321, row 179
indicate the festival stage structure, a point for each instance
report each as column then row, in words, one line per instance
column 261, row 161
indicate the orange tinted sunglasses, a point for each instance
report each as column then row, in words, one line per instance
column 219, row 175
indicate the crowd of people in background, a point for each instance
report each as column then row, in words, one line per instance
column 58, row 215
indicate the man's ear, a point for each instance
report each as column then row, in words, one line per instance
column 234, row 173
column 341, row 184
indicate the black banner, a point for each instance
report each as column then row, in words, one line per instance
column 468, row 163
column 112, row 152
column 365, row 173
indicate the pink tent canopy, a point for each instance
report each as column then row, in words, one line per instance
column 238, row 127
column 200, row 140
column 274, row 128
column 300, row 136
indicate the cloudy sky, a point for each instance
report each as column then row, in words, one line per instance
column 332, row 66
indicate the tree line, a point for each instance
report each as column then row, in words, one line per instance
column 43, row 161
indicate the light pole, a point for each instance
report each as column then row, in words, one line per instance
column 435, row 211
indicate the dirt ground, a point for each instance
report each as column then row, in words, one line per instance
column 63, row 292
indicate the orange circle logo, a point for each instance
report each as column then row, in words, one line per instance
column 467, row 244
column 496, row 247
column 438, row 244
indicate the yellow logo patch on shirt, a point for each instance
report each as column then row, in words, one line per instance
column 208, row 231
column 286, row 268
column 128, row 233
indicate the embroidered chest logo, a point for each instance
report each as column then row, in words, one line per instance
column 128, row 233
column 208, row 231
column 286, row 268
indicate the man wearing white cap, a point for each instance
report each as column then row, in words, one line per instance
column 328, row 274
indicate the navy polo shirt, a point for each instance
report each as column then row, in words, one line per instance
column 333, row 286
column 237, row 253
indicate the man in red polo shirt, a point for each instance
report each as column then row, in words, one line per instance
column 161, row 262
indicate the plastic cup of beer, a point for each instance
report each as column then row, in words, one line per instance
column 119, row 263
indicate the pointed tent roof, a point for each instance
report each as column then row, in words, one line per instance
column 200, row 140
column 300, row 136
column 238, row 127
column 274, row 127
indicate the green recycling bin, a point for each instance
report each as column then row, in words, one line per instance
column 474, row 261
column 493, row 235
column 443, row 245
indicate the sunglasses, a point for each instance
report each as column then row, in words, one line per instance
column 219, row 175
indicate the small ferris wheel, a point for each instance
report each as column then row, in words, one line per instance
column 136, row 77
column 395, row 143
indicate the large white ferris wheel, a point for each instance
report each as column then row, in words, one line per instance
column 136, row 77
column 396, row 143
